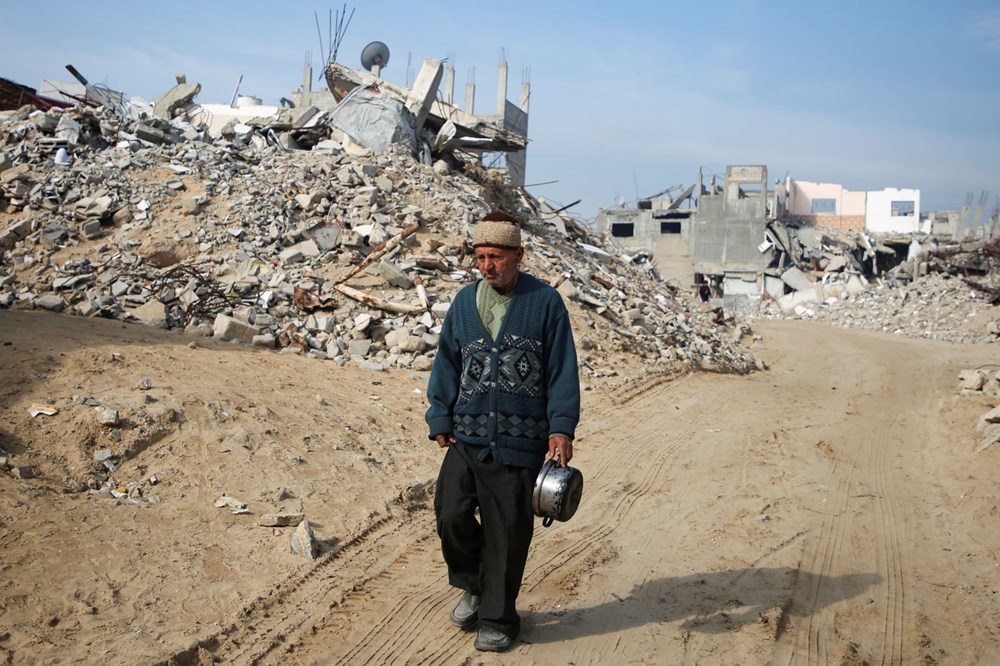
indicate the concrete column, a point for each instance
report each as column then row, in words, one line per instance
column 307, row 78
column 502, row 89
column 424, row 92
column 517, row 162
column 449, row 84
column 470, row 98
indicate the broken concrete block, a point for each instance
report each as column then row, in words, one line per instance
column 991, row 436
column 90, row 229
column 326, row 238
column 153, row 313
column 359, row 347
column 307, row 201
column 19, row 230
column 281, row 519
column 20, row 172
column 298, row 252
column 177, row 97
column 50, row 302
column 422, row 363
column 68, row 129
column 394, row 276
column 304, row 541
column 567, row 289
column 796, row 279
column 151, row 134
column 974, row 381
column 362, row 321
column 227, row 328
column 121, row 216
column 403, row 340
column 990, row 417
column 266, row 340
column 424, row 91
column 107, row 416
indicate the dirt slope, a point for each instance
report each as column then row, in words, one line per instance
column 829, row 510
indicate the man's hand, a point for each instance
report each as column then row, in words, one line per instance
column 562, row 445
column 445, row 439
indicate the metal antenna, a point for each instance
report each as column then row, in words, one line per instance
column 338, row 36
column 319, row 33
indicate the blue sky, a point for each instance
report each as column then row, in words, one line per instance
column 627, row 98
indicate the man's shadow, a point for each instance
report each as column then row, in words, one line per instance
column 715, row 602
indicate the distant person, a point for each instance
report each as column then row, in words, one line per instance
column 704, row 291
column 504, row 395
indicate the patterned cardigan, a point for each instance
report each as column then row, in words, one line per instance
column 506, row 395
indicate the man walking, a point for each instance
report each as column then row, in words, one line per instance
column 504, row 395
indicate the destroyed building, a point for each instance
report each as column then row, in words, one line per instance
column 502, row 137
column 730, row 245
column 830, row 205
column 720, row 242
column 742, row 244
column 305, row 231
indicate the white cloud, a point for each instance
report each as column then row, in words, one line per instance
column 985, row 26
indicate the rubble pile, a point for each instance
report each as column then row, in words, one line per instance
column 935, row 307
column 984, row 382
column 940, row 291
column 349, row 256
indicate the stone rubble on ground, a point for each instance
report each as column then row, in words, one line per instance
column 303, row 541
column 943, row 291
column 261, row 246
column 984, row 382
column 935, row 307
column 281, row 519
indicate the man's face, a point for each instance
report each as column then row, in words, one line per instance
column 499, row 265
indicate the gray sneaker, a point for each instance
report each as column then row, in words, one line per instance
column 491, row 639
column 466, row 611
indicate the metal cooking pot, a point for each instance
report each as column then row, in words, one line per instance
column 557, row 492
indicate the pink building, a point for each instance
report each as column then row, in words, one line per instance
column 830, row 205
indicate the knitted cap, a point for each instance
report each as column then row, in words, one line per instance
column 497, row 229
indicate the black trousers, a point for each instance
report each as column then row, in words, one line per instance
column 487, row 556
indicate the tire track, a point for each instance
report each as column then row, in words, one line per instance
column 264, row 624
column 891, row 523
column 396, row 636
column 815, row 602
column 809, row 600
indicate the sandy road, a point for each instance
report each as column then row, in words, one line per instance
column 830, row 510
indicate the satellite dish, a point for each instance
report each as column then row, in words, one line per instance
column 374, row 57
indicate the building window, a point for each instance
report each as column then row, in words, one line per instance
column 824, row 206
column 670, row 227
column 623, row 229
column 902, row 209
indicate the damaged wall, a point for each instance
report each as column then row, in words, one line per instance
column 658, row 228
column 730, row 230
column 730, row 225
column 825, row 204
column 894, row 211
column 830, row 205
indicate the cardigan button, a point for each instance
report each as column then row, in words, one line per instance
column 495, row 350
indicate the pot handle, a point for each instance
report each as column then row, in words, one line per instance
column 547, row 521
